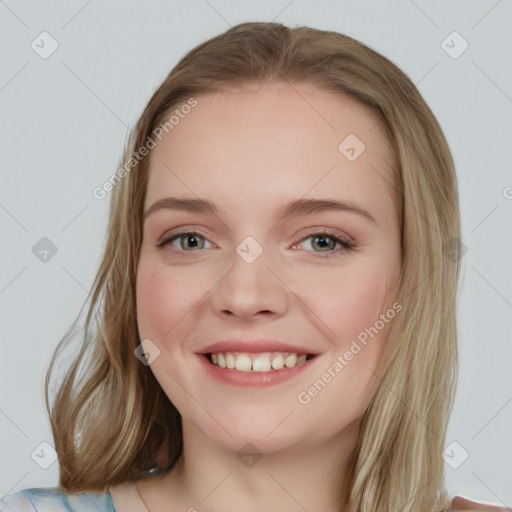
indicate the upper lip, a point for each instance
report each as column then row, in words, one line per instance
column 257, row 345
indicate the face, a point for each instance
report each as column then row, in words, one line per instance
column 255, row 282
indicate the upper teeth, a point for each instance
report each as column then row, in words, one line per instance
column 262, row 362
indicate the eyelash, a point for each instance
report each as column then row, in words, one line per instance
column 346, row 246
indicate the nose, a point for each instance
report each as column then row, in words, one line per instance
column 251, row 290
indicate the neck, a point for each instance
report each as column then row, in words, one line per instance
column 305, row 477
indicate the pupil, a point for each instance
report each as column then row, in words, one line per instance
column 323, row 239
column 192, row 238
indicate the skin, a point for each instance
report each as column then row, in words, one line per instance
column 251, row 151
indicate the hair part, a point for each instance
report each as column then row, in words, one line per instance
column 116, row 423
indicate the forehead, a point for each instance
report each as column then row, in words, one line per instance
column 262, row 143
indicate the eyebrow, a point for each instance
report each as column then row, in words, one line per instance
column 294, row 208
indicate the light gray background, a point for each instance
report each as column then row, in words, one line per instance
column 63, row 123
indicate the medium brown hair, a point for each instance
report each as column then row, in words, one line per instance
column 111, row 420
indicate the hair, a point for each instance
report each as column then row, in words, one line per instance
column 115, row 423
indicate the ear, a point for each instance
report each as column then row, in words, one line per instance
column 461, row 503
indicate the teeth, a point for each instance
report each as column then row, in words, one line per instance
column 291, row 361
column 263, row 362
column 230, row 360
column 278, row 362
column 243, row 363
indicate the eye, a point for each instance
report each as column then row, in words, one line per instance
column 326, row 243
column 193, row 241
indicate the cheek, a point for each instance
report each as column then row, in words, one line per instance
column 169, row 296
column 351, row 300
column 164, row 295
column 351, row 306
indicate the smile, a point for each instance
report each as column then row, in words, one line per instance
column 257, row 362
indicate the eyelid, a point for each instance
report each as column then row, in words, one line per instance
column 183, row 230
column 347, row 243
column 166, row 237
column 328, row 231
column 172, row 235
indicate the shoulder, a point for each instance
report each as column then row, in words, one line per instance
column 462, row 503
column 52, row 499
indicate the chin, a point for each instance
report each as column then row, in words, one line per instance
column 267, row 435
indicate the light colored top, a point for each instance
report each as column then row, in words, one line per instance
column 52, row 499
column 124, row 498
column 119, row 498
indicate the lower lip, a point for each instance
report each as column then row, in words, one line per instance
column 251, row 378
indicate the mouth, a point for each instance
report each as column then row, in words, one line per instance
column 256, row 362
column 252, row 362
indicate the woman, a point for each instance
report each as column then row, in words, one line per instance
column 234, row 366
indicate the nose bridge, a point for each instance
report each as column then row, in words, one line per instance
column 250, row 286
column 249, row 269
column 251, row 260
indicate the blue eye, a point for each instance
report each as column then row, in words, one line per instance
column 321, row 239
column 186, row 235
column 194, row 241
